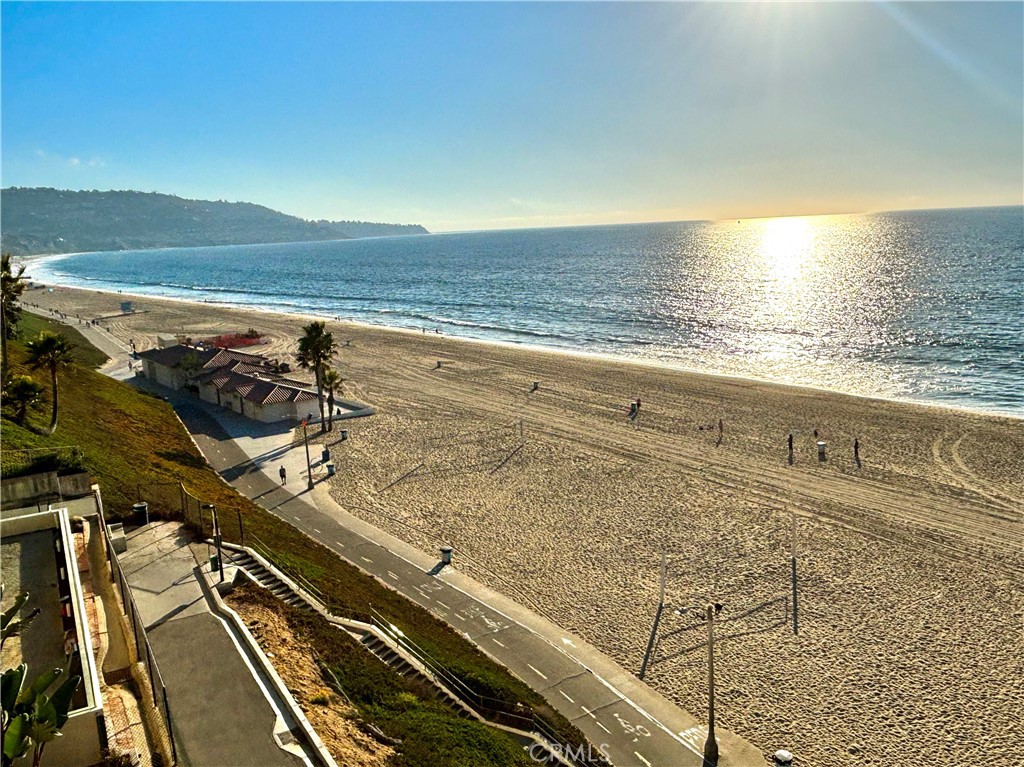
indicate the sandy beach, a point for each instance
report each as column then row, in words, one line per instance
column 911, row 617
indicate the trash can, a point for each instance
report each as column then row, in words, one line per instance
column 326, row 455
column 140, row 513
column 821, row 451
column 446, row 555
column 214, row 563
column 330, row 470
column 344, row 434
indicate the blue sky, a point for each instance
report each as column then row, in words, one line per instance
column 499, row 115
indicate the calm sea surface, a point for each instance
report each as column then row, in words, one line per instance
column 922, row 305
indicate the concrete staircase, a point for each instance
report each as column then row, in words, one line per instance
column 434, row 683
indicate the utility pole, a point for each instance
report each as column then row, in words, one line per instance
column 309, row 468
column 657, row 618
column 711, row 744
column 792, row 562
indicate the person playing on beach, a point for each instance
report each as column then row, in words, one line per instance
column 856, row 451
column 283, row 474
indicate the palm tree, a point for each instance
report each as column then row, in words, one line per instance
column 22, row 393
column 54, row 352
column 11, row 288
column 332, row 381
column 316, row 350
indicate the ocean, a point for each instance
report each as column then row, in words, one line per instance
column 921, row 305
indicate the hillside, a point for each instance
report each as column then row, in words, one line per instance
column 156, row 453
column 44, row 220
column 355, row 229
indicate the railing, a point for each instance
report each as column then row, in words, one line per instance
column 144, row 649
column 518, row 716
column 261, row 548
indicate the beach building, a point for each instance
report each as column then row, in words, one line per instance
column 58, row 553
column 248, row 384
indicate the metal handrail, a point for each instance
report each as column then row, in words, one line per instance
column 459, row 688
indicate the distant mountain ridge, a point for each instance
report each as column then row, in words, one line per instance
column 44, row 220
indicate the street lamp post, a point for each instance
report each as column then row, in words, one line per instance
column 711, row 744
column 217, row 538
column 309, row 468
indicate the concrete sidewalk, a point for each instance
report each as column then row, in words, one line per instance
column 222, row 712
column 636, row 725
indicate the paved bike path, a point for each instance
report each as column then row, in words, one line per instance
column 634, row 724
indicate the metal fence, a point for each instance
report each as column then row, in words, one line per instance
column 143, row 648
column 172, row 500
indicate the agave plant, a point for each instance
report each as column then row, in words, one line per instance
column 31, row 718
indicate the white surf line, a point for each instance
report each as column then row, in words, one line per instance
column 499, row 644
column 365, row 559
column 540, row 673
column 296, row 518
column 641, row 758
column 392, row 575
column 317, row 531
column 460, row 617
column 564, row 695
column 340, row 544
column 446, row 607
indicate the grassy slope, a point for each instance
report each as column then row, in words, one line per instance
column 129, row 439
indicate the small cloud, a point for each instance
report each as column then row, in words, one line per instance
column 74, row 161
column 96, row 162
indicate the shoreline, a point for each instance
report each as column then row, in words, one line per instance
column 529, row 347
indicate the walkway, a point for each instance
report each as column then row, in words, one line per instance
column 221, row 713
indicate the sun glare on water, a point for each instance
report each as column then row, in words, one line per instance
column 786, row 245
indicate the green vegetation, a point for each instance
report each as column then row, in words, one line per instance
column 31, row 718
column 84, row 353
column 23, row 393
column 133, row 445
column 431, row 732
column 316, row 350
column 43, row 220
column 332, row 381
column 11, row 287
column 53, row 352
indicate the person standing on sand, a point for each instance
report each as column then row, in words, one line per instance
column 283, row 474
column 856, row 451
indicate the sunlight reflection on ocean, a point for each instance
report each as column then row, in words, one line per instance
column 917, row 305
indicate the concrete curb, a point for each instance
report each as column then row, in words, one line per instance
column 281, row 689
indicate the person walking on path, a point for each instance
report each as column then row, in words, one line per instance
column 284, row 475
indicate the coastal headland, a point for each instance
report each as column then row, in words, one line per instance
column 530, row 464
